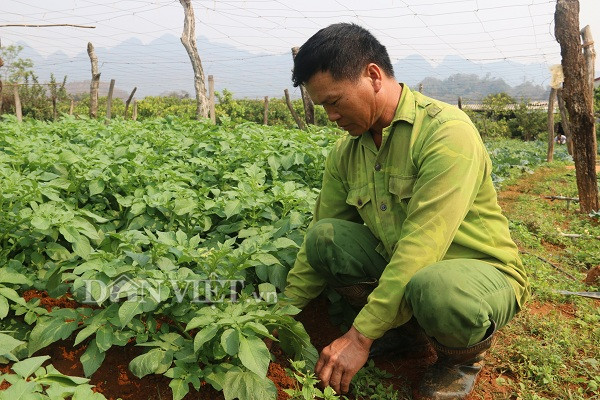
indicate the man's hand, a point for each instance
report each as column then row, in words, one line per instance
column 342, row 359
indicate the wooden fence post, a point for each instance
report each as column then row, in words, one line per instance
column 550, row 154
column 95, row 83
column 298, row 120
column 309, row 106
column 134, row 112
column 420, row 88
column 72, row 107
column 211, row 98
column 129, row 101
column 459, row 103
column 111, row 88
column 188, row 39
column 266, row 114
column 578, row 99
column 18, row 110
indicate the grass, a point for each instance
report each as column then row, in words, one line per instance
column 551, row 349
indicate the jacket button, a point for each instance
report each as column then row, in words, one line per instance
column 383, row 207
column 377, row 167
column 359, row 202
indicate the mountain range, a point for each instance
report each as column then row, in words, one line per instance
column 163, row 66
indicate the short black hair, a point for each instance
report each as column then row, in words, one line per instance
column 343, row 50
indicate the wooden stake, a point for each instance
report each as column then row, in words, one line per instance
column 95, row 83
column 550, row 153
column 299, row 121
column 72, row 108
column 459, row 103
column 420, row 88
column 578, row 99
column 18, row 110
column 266, row 114
column 129, row 101
column 111, row 88
column 188, row 39
column 211, row 98
column 309, row 106
column 134, row 112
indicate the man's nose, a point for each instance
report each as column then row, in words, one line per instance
column 332, row 114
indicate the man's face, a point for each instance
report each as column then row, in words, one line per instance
column 350, row 104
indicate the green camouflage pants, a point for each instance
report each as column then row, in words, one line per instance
column 454, row 301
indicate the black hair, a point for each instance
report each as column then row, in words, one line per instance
column 343, row 50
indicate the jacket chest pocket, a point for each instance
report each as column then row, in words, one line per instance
column 359, row 198
column 401, row 188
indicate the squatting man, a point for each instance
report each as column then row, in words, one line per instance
column 407, row 227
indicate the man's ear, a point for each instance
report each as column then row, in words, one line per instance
column 375, row 74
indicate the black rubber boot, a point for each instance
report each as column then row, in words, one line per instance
column 455, row 372
column 407, row 338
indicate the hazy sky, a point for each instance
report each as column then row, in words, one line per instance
column 478, row 30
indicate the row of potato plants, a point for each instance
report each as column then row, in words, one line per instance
column 175, row 234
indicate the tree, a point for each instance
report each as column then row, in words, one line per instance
column 578, row 100
column 15, row 68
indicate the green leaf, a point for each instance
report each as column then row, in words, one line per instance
column 48, row 331
column 230, row 340
column 278, row 276
column 40, row 223
column 92, row 358
column 232, row 208
column 246, row 385
column 128, row 310
column 8, row 343
column 104, row 338
column 20, row 390
column 70, row 233
column 96, row 187
column 86, row 228
column 82, row 247
column 85, row 333
column 266, row 259
column 282, row 243
column 180, row 388
column 184, row 206
column 57, row 252
column 268, row 292
column 147, row 363
column 254, row 355
column 28, row 366
column 204, row 336
column 95, row 217
column 3, row 311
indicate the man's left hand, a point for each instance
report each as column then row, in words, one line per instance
column 341, row 360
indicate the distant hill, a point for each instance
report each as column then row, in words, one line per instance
column 163, row 66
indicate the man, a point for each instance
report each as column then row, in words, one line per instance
column 407, row 224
